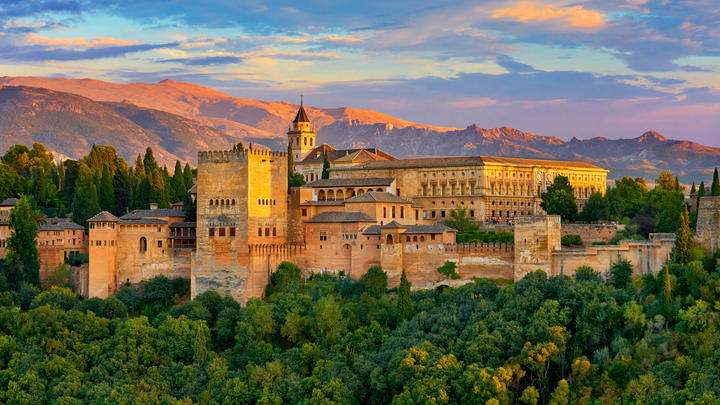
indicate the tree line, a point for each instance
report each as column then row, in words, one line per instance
column 100, row 181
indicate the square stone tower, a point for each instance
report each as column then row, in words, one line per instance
column 241, row 201
column 708, row 223
column 536, row 237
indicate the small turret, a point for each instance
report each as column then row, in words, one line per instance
column 301, row 134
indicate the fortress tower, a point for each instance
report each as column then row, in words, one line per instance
column 301, row 135
column 241, row 202
column 708, row 223
column 103, row 237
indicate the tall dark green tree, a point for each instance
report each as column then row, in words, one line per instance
column 106, row 192
column 405, row 306
column 178, row 183
column 188, row 175
column 715, row 188
column 41, row 184
column 683, row 239
column 86, row 202
column 189, row 208
column 23, row 258
column 142, row 195
column 326, row 167
column 560, row 200
column 149, row 162
column 123, row 187
column 71, row 169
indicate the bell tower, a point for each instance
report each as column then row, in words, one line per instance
column 301, row 134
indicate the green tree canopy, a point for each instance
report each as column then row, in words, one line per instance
column 559, row 199
column 23, row 258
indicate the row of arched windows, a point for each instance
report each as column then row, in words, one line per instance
column 266, row 201
column 220, row 202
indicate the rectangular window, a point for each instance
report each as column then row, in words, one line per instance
column 417, row 215
column 393, row 211
column 304, row 212
column 232, row 232
column 323, row 235
column 159, row 243
column 211, row 232
column 384, row 212
column 267, row 231
column 442, row 214
column 432, row 214
column 221, row 231
column 259, row 231
column 432, row 237
column 472, row 213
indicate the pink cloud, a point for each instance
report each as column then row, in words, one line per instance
column 81, row 42
column 533, row 10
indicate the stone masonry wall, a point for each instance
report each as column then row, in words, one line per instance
column 592, row 232
column 708, row 223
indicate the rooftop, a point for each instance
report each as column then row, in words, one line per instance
column 360, row 182
column 340, row 216
column 378, row 196
column 104, row 216
column 183, row 225
column 317, row 155
column 9, row 202
column 157, row 213
column 466, row 161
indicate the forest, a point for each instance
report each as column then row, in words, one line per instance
column 589, row 338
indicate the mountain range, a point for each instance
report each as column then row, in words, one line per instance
column 177, row 119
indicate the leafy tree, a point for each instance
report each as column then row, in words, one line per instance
column 326, row 166
column 559, row 199
column 11, row 183
column 285, row 279
column 715, row 187
column 586, row 273
column 405, row 306
column 23, row 257
column 666, row 181
column 375, row 281
column 102, row 156
column 596, row 208
column 460, row 221
column 296, row 180
column 60, row 276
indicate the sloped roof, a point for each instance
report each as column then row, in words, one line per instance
column 378, row 196
column 341, row 216
column 372, row 230
column 323, row 203
column 142, row 221
column 183, row 225
column 104, row 216
column 449, row 161
column 393, row 225
column 359, row 182
column 301, row 116
column 9, row 202
column 60, row 226
column 317, row 155
column 428, row 229
column 156, row 213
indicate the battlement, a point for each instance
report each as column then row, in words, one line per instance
column 235, row 155
column 284, row 249
column 710, row 202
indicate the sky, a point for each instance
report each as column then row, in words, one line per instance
column 584, row 68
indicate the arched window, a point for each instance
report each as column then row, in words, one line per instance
column 389, row 240
column 143, row 245
column 211, row 203
column 321, row 195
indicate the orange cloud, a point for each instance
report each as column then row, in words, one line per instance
column 95, row 41
column 531, row 10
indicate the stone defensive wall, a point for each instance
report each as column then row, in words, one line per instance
column 590, row 233
column 708, row 223
column 239, row 155
column 482, row 260
column 265, row 259
column 647, row 257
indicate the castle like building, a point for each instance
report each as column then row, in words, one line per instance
column 374, row 209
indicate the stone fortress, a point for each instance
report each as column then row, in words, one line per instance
column 374, row 209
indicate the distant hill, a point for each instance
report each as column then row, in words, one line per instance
column 180, row 118
column 69, row 125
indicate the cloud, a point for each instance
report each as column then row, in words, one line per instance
column 38, row 53
column 532, row 11
column 79, row 42
column 299, row 56
column 473, row 102
column 205, row 60
column 512, row 65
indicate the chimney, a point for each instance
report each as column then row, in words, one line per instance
column 153, row 206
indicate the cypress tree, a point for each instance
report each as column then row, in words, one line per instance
column 139, row 168
column 178, row 183
column 189, row 208
column 106, row 193
column 149, row 162
column 23, row 257
column 86, row 203
column 683, row 239
column 667, row 303
column 326, row 166
column 700, row 194
column 715, row 188
column 123, row 187
column 405, row 303
column 141, row 197
column 187, row 174
column 693, row 189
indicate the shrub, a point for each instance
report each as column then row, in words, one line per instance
column 485, row 237
column 58, row 297
column 448, row 270
column 587, row 273
column 375, row 281
column 60, row 276
column 571, row 240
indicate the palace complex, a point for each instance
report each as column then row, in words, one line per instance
column 371, row 209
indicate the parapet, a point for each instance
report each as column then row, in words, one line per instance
column 235, row 155
column 710, row 202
